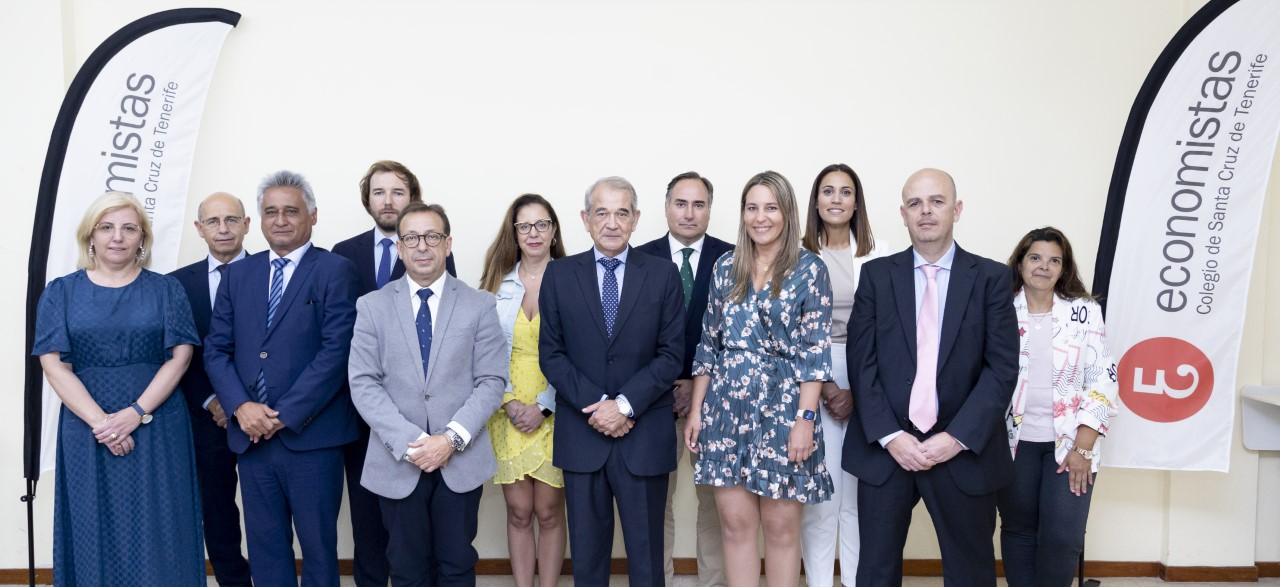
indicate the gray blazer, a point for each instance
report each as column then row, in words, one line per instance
column 464, row 383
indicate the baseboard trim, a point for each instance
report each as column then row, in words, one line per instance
column 910, row 568
column 1209, row 574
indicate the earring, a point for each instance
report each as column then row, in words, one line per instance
column 90, row 250
column 142, row 252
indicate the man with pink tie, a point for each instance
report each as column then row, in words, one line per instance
column 933, row 359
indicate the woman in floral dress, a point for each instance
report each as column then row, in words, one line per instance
column 758, row 373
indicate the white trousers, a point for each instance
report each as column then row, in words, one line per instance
column 835, row 520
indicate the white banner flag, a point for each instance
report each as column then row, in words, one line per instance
column 1178, row 241
column 128, row 123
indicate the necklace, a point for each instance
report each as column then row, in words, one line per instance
column 1039, row 318
column 530, row 275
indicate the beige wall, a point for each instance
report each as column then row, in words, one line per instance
column 1023, row 102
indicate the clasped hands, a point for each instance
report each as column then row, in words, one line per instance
column 116, row 430
column 258, row 421
column 913, row 454
column 607, row 420
column 430, row 452
column 525, row 417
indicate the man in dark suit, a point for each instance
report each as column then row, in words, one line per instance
column 933, row 357
column 222, row 223
column 428, row 335
column 277, row 357
column 386, row 188
column 612, row 370
column 694, row 253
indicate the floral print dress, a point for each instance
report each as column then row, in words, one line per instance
column 757, row 352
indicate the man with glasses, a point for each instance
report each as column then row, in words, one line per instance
column 694, row 253
column 428, row 335
column 221, row 222
column 386, row 188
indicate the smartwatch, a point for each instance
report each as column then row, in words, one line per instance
column 809, row 415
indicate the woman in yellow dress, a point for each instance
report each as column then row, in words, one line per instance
column 521, row 429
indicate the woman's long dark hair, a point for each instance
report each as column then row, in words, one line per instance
column 815, row 231
column 504, row 253
column 1069, row 286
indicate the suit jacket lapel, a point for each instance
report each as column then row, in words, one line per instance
column 296, row 282
column 903, row 278
column 440, row 321
column 634, row 274
column 201, row 309
column 402, row 310
column 958, row 290
column 591, row 290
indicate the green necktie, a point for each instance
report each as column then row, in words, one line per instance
column 686, row 275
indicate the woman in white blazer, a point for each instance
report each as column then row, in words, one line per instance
column 1063, row 403
column 837, row 229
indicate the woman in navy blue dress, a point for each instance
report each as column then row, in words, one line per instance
column 114, row 339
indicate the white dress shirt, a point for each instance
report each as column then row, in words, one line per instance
column 433, row 305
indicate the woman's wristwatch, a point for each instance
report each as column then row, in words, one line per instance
column 809, row 415
column 1087, row 454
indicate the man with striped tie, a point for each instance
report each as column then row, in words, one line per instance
column 276, row 355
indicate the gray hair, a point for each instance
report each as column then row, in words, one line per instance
column 616, row 183
column 287, row 179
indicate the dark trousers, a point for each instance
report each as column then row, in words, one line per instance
column 432, row 532
column 369, row 569
column 284, row 489
column 216, row 472
column 642, row 504
column 1041, row 521
column 965, row 525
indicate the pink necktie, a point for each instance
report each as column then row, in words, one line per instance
column 924, row 392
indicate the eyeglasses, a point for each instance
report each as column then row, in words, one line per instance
column 128, row 230
column 227, row 221
column 541, row 226
column 433, row 239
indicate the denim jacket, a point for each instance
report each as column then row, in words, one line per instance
column 509, row 297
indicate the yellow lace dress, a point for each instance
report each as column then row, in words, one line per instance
column 521, row 454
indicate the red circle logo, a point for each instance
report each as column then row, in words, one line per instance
column 1165, row 379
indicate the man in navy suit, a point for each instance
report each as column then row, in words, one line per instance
column 222, row 223
column 386, row 188
column 277, row 357
column 694, row 253
column 933, row 358
column 612, row 370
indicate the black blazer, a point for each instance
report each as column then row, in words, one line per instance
column 359, row 250
column 712, row 249
column 195, row 280
column 977, row 368
column 639, row 361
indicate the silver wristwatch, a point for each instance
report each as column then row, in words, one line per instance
column 455, row 440
column 1087, row 454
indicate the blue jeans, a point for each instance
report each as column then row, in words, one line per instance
column 1041, row 521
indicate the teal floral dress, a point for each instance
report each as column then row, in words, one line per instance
column 757, row 352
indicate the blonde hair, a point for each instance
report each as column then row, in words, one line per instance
column 106, row 204
column 744, row 256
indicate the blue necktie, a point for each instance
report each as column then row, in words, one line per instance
column 609, row 293
column 424, row 328
column 277, row 292
column 384, row 268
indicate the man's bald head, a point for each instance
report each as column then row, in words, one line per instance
column 222, row 197
column 221, row 222
column 930, row 210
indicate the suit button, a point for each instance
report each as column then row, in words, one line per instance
column 909, row 381
column 262, row 355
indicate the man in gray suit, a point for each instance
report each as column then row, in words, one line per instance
column 427, row 369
